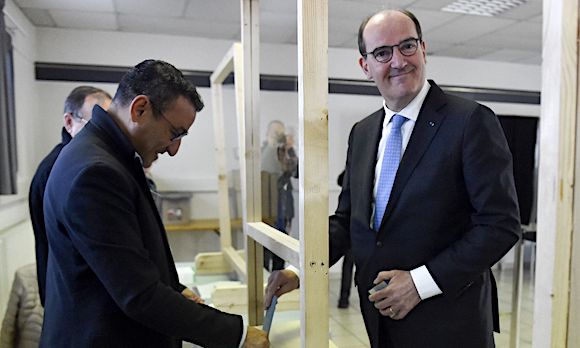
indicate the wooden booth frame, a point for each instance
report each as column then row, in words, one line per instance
column 310, row 252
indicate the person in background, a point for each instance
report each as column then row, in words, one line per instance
column 78, row 108
column 111, row 278
column 279, row 164
column 428, row 202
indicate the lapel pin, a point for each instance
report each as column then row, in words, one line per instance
column 431, row 123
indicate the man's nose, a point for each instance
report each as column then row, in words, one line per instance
column 173, row 147
column 398, row 60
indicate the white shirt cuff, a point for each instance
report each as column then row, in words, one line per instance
column 244, row 331
column 424, row 283
column 294, row 269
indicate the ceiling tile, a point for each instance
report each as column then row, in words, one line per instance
column 178, row 26
column 508, row 55
column 431, row 19
column 537, row 19
column 434, row 47
column 343, row 9
column 445, row 33
column 464, row 51
column 221, row 10
column 535, row 60
column 288, row 7
column 84, row 20
column 72, row 5
column 165, row 8
column 467, row 27
column 528, row 10
column 431, row 4
column 39, row 17
column 522, row 35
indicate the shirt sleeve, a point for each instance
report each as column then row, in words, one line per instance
column 424, row 283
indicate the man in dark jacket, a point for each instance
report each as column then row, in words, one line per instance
column 111, row 278
column 78, row 108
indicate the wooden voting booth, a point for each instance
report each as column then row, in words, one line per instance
column 310, row 252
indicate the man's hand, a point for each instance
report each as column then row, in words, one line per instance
column 279, row 283
column 399, row 297
column 256, row 338
column 190, row 295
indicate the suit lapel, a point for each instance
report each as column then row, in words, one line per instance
column 427, row 125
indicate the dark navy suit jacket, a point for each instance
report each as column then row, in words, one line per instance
column 35, row 198
column 453, row 208
column 111, row 279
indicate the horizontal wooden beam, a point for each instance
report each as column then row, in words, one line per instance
column 234, row 299
column 276, row 241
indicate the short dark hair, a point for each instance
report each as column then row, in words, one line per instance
column 361, row 42
column 75, row 100
column 160, row 81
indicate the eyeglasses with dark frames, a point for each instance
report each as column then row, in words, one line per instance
column 177, row 134
column 384, row 54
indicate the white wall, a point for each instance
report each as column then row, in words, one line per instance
column 194, row 167
column 16, row 238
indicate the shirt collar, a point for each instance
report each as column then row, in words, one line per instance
column 411, row 111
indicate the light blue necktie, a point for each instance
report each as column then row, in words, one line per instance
column 391, row 159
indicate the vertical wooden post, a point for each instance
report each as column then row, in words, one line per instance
column 220, row 144
column 556, row 191
column 313, row 166
column 250, row 148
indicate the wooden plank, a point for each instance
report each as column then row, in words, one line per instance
column 234, row 299
column 556, row 173
column 202, row 225
column 211, row 263
column 278, row 242
column 224, row 68
column 574, row 320
column 250, row 149
column 235, row 259
column 313, row 166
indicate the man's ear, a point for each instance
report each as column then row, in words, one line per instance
column 68, row 122
column 365, row 67
column 140, row 105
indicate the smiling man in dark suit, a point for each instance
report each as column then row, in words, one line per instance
column 428, row 201
column 111, row 279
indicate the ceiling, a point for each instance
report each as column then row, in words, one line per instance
column 513, row 36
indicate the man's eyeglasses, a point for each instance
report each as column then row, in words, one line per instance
column 177, row 134
column 384, row 54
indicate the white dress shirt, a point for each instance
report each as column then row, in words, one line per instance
column 424, row 283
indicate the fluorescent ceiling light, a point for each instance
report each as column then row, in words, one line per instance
column 482, row 7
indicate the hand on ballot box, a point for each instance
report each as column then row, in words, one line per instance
column 256, row 338
column 279, row 283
